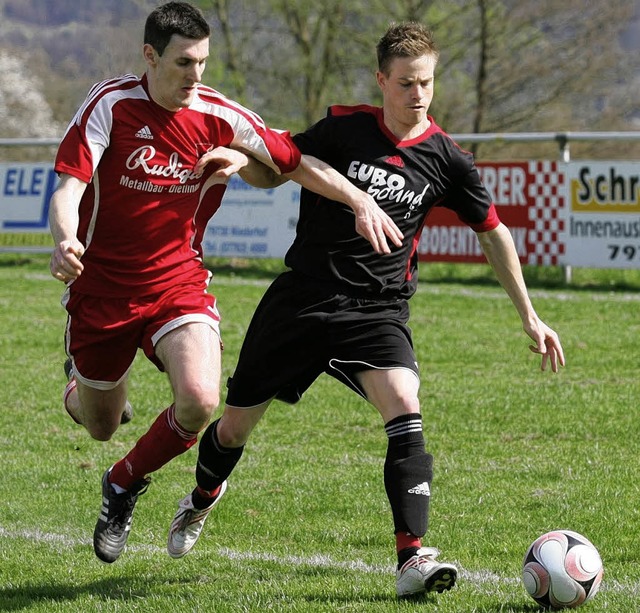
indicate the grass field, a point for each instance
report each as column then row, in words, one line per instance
column 305, row 525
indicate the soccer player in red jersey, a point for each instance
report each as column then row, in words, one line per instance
column 127, row 220
column 343, row 311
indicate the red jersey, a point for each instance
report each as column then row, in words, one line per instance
column 144, row 212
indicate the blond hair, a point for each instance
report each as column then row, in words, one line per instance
column 408, row 39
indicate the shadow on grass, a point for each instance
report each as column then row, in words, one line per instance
column 478, row 275
column 24, row 260
column 26, row 595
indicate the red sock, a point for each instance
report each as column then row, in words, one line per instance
column 165, row 440
column 405, row 540
column 206, row 493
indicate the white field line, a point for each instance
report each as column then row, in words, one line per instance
column 316, row 561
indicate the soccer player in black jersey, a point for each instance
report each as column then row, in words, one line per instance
column 343, row 309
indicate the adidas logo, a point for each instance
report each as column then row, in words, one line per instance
column 395, row 160
column 144, row 133
column 422, row 489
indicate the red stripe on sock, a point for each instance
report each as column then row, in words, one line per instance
column 405, row 540
column 208, row 494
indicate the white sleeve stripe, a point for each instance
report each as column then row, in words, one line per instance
column 244, row 129
column 99, row 89
column 220, row 99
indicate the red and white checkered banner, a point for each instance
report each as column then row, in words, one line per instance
column 530, row 198
column 584, row 214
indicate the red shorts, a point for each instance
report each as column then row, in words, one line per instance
column 104, row 334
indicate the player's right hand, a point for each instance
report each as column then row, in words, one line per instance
column 65, row 264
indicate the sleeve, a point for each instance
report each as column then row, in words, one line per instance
column 468, row 197
column 316, row 140
column 272, row 147
column 85, row 140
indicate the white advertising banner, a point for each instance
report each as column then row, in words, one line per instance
column 24, row 199
column 253, row 223
column 583, row 214
column 602, row 228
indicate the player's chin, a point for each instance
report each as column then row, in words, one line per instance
column 417, row 114
column 185, row 97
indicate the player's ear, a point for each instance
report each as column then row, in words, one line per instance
column 149, row 54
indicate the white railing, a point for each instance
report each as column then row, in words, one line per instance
column 563, row 139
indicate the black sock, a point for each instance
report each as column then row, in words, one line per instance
column 215, row 462
column 407, row 474
column 406, row 554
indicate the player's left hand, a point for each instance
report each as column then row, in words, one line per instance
column 229, row 161
column 547, row 344
column 376, row 226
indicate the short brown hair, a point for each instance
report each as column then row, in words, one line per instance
column 179, row 18
column 408, row 39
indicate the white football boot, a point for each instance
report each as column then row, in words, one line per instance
column 187, row 525
column 421, row 573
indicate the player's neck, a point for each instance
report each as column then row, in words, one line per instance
column 404, row 132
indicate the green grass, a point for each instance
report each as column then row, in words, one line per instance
column 305, row 525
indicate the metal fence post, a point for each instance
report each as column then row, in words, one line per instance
column 565, row 156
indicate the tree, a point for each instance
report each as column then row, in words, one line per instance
column 24, row 111
column 505, row 65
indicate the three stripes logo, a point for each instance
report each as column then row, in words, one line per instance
column 422, row 489
column 144, row 133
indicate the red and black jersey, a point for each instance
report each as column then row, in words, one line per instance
column 406, row 178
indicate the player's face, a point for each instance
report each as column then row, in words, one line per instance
column 174, row 74
column 407, row 91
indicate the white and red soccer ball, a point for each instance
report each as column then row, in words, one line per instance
column 562, row 569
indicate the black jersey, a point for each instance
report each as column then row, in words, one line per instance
column 406, row 178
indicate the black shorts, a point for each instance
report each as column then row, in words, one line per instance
column 302, row 328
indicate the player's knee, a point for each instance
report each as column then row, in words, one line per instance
column 412, row 404
column 195, row 405
column 406, row 403
column 100, row 419
column 100, row 431
column 232, row 437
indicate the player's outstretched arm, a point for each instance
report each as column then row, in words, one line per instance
column 500, row 251
column 65, row 264
column 371, row 221
column 230, row 161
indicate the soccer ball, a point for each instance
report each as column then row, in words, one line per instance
column 562, row 569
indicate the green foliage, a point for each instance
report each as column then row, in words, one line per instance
column 549, row 66
column 305, row 525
